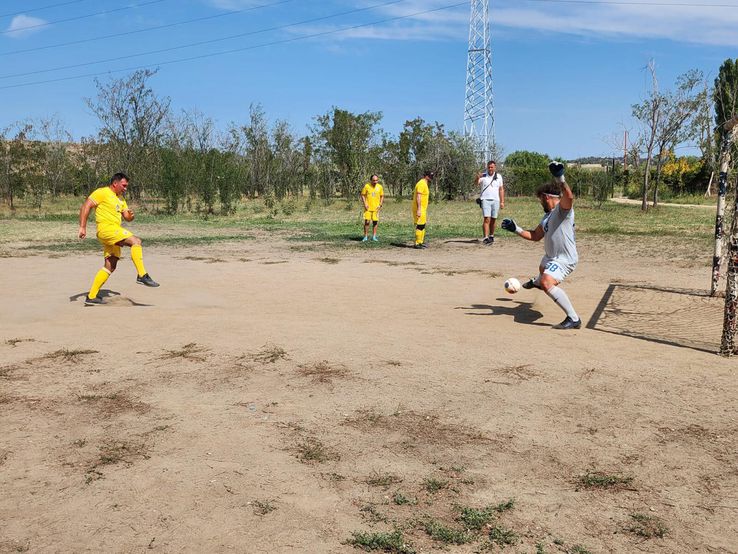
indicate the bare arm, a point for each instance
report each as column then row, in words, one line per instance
column 535, row 235
column 381, row 199
column 418, row 197
column 84, row 213
column 567, row 196
column 363, row 200
column 502, row 196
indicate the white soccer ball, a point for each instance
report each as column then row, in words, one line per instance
column 512, row 285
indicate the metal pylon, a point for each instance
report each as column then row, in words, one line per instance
column 479, row 121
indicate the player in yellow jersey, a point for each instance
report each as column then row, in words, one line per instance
column 110, row 207
column 372, row 195
column 420, row 208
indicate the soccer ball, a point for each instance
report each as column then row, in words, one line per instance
column 512, row 285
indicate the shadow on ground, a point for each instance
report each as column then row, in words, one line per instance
column 521, row 312
column 110, row 298
column 686, row 318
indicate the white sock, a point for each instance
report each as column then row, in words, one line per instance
column 562, row 300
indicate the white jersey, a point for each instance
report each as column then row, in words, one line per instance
column 559, row 237
column 489, row 187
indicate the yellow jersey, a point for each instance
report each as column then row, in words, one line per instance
column 421, row 187
column 373, row 195
column 108, row 207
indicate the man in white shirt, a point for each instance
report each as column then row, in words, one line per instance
column 491, row 200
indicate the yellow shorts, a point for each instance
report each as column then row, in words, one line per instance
column 109, row 237
column 371, row 216
column 419, row 220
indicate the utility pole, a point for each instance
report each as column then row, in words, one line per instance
column 479, row 121
column 625, row 150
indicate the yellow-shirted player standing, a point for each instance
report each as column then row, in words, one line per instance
column 420, row 208
column 110, row 207
column 372, row 195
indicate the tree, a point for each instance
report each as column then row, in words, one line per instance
column 132, row 121
column 725, row 94
column 678, row 109
column 344, row 138
column 649, row 113
column 18, row 162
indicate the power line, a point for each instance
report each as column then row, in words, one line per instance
column 155, row 28
column 48, row 7
column 244, row 49
column 202, row 42
column 78, row 17
column 621, row 3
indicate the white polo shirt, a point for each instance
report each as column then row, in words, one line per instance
column 489, row 187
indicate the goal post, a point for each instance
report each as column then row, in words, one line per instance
column 730, row 318
column 731, row 128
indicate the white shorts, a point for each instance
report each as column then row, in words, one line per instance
column 556, row 269
column 490, row 208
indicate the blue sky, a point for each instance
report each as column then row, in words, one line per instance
column 565, row 71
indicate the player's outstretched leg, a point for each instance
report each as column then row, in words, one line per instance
column 143, row 277
column 551, row 287
column 559, row 296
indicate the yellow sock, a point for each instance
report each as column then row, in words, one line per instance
column 138, row 259
column 422, row 236
column 98, row 282
column 418, row 236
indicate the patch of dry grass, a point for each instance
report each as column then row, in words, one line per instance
column 418, row 428
column 270, row 354
column 191, row 352
column 323, row 371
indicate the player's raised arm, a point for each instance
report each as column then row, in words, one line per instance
column 567, row 196
column 84, row 213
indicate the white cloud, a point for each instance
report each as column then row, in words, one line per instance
column 637, row 19
column 23, row 25
column 700, row 25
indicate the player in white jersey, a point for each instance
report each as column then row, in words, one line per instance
column 491, row 200
column 557, row 230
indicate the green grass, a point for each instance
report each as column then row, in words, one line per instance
column 599, row 480
column 447, row 535
column 476, row 518
column 647, row 526
column 502, row 536
column 433, row 485
column 54, row 227
column 382, row 542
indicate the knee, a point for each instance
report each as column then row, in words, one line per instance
column 547, row 282
column 135, row 241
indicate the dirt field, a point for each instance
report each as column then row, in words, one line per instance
column 273, row 399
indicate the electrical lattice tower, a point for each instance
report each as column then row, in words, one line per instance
column 479, row 121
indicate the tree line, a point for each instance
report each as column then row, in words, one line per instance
column 181, row 162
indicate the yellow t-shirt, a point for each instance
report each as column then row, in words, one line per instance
column 373, row 195
column 108, row 207
column 421, row 187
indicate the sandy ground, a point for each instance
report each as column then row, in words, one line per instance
column 273, row 399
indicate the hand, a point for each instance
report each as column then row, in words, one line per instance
column 379, row 207
column 82, row 232
column 510, row 225
column 419, row 214
column 502, row 205
column 128, row 215
column 556, row 169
